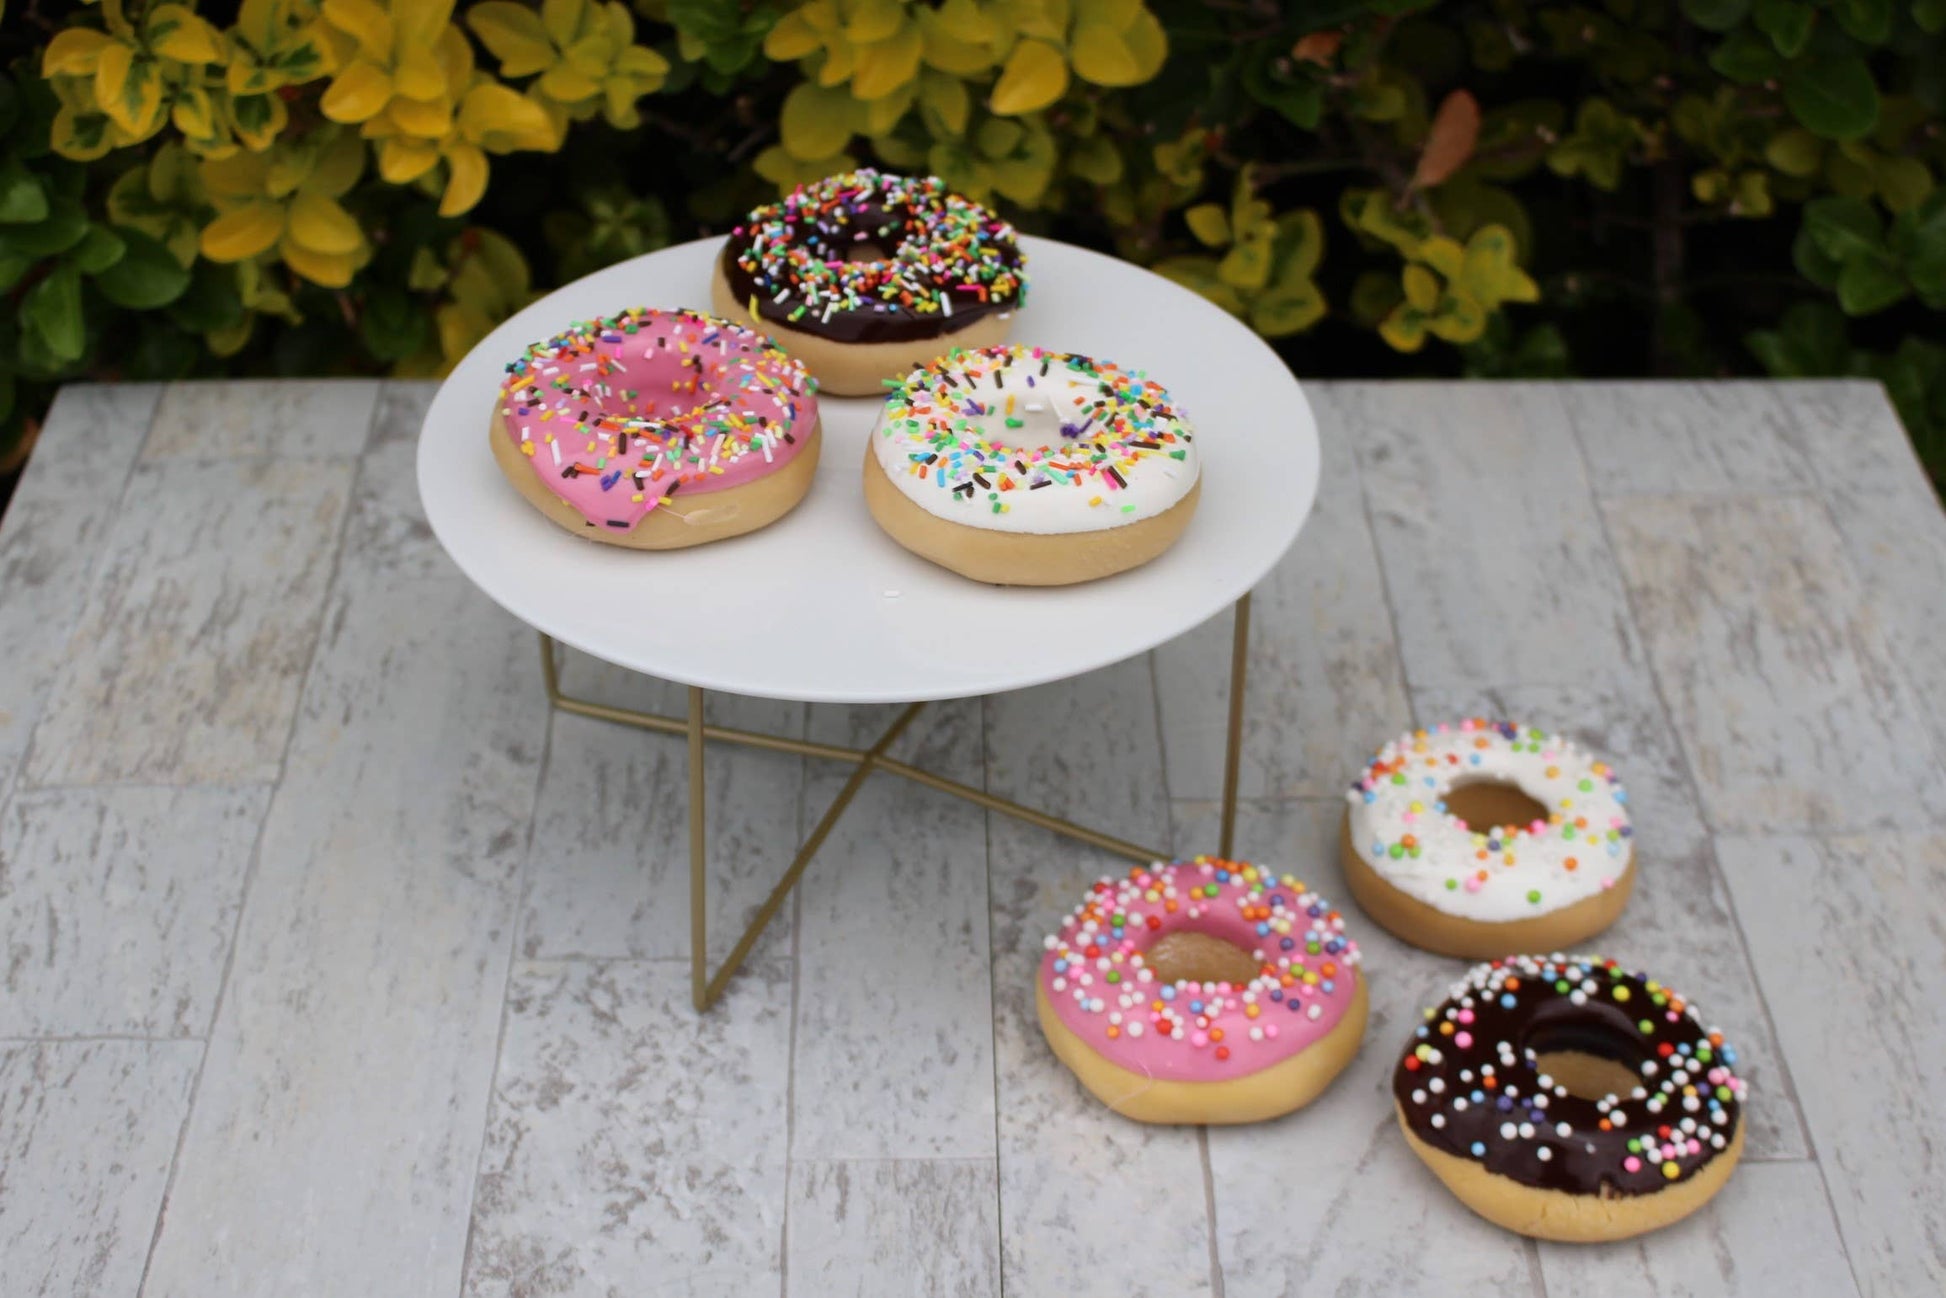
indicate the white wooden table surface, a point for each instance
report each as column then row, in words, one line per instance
column 331, row 964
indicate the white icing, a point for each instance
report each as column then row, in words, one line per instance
column 1080, row 494
column 1587, row 826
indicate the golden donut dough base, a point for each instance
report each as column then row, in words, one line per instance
column 1255, row 1097
column 1431, row 929
column 1573, row 1218
column 676, row 523
column 1022, row 558
column 855, row 369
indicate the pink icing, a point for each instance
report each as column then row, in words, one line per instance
column 618, row 414
column 1201, row 1032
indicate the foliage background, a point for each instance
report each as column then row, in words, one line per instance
column 1385, row 187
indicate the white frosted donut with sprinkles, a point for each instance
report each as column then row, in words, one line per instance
column 1568, row 1098
column 1028, row 467
column 1204, row 991
column 1480, row 837
column 657, row 430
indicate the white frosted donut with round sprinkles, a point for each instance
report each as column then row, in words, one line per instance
column 1545, row 861
column 1024, row 466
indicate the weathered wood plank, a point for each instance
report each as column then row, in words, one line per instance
column 1487, row 530
column 1791, row 709
column 87, row 1129
column 898, row 1229
column 1847, row 939
column 1329, row 1199
column 633, row 1147
column 227, row 418
column 1324, row 667
column 1679, row 925
column 894, row 1039
column 338, row 1123
column 1768, row 1232
column 117, row 907
column 187, row 661
column 52, row 537
column 1084, row 1193
column 1679, row 436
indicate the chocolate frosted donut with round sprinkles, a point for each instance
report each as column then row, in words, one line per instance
column 1475, row 838
column 1566, row 1098
column 864, row 275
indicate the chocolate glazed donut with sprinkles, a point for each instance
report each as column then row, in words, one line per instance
column 1566, row 1098
column 657, row 430
column 1204, row 991
column 1027, row 467
column 864, row 275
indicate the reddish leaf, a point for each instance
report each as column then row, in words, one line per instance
column 1318, row 47
column 1450, row 140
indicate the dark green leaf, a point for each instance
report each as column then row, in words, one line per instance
column 1716, row 15
column 51, row 312
column 1845, row 229
column 99, row 249
column 1930, row 15
column 210, row 302
column 162, row 352
column 6, row 396
column 1295, row 93
column 147, row 276
column 9, row 106
column 1786, row 22
column 13, row 265
column 63, row 227
column 1869, row 20
column 393, row 326
column 23, row 199
column 1869, row 284
column 1920, row 236
column 1811, row 261
column 1837, row 99
column 1746, row 58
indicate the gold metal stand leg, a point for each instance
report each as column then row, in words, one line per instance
column 1233, row 747
column 698, row 856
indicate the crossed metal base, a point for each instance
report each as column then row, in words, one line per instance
column 706, row 988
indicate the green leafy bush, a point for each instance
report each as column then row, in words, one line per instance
column 1384, row 187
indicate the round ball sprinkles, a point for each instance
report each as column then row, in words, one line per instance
column 1402, row 828
column 619, row 412
column 1469, row 1085
column 1095, row 974
column 1068, row 442
column 946, row 257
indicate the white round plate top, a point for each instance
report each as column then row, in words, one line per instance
column 822, row 606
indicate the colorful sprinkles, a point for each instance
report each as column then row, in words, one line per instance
column 617, row 413
column 937, row 254
column 1470, row 1082
column 990, row 428
column 1402, row 827
column 1099, row 982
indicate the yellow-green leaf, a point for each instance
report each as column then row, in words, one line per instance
column 1421, row 287
column 175, row 32
column 815, row 122
column 503, row 120
column 429, row 119
column 1209, row 223
column 792, row 38
column 402, row 159
column 333, row 270
column 129, row 90
column 563, row 19
column 1443, row 255
column 1102, row 56
column 513, row 34
column 1096, row 160
column 563, row 84
column 1148, row 43
column 466, row 178
column 73, row 52
column 1035, row 76
column 243, row 232
column 1404, row 329
column 946, row 98
column 1287, row 311
column 947, row 52
column 337, row 167
column 881, row 115
column 874, row 20
column 363, row 21
column 358, row 93
column 1460, row 319
column 321, row 225
column 1491, row 273
column 887, row 65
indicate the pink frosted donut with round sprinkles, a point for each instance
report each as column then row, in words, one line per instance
column 1202, row 991
column 657, row 429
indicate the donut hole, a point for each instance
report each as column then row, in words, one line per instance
column 867, row 249
column 1491, row 803
column 1200, row 958
column 1590, row 1060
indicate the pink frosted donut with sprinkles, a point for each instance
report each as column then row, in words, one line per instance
column 865, row 274
column 1023, row 466
column 1567, row 1098
column 1478, row 837
column 1202, row 991
column 657, row 430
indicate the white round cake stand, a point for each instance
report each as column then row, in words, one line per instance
column 822, row 606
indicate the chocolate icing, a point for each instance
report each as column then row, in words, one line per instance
column 886, row 227
column 1673, row 1054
